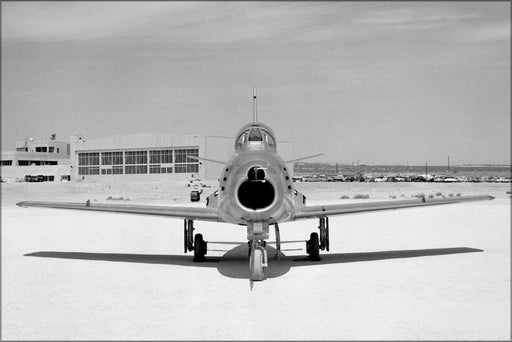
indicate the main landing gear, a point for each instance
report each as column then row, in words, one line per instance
column 194, row 243
column 316, row 243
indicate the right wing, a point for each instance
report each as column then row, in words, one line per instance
column 351, row 208
column 194, row 213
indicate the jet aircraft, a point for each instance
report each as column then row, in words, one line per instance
column 255, row 191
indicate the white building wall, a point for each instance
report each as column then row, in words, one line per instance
column 132, row 142
column 17, row 173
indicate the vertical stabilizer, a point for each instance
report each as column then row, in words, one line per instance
column 254, row 106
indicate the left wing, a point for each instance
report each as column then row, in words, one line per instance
column 194, row 213
column 350, row 208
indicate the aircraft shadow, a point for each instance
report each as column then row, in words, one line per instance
column 235, row 262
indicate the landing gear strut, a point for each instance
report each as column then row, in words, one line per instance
column 315, row 243
column 324, row 233
column 258, row 260
column 193, row 243
column 278, row 242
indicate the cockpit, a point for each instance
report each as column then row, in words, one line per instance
column 255, row 137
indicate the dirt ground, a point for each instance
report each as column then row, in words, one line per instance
column 425, row 273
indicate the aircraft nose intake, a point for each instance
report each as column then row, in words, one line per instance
column 256, row 192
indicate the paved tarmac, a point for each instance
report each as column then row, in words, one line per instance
column 425, row 273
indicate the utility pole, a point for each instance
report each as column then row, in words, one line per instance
column 426, row 171
column 448, row 163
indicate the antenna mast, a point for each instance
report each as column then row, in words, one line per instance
column 254, row 106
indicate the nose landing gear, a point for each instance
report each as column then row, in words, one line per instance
column 257, row 260
column 278, row 242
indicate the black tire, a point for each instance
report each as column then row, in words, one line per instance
column 313, row 247
column 199, row 248
column 185, row 245
column 327, row 239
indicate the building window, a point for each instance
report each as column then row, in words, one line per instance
column 136, row 169
column 41, row 149
column 36, row 162
column 114, row 170
column 139, row 159
column 111, row 158
column 159, row 169
column 89, row 158
column 181, row 155
column 180, row 168
column 185, row 165
column 88, row 163
column 154, row 169
column 136, row 157
column 117, row 170
column 193, row 168
column 51, row 149
column 6, row 163
column 160, row 156
column 88, row 170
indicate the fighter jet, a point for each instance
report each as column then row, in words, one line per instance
column 255, row 191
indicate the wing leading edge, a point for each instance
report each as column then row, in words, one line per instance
column 211, row 214
column 351, row 208
column 195, row 213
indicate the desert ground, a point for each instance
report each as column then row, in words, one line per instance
column 439, row 273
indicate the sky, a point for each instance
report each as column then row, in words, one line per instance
column 374, row 82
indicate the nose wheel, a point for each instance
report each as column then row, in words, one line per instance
column 257, row 260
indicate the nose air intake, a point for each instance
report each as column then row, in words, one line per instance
column 255, row 192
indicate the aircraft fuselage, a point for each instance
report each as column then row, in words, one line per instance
column 244, row 198
column 255, row 186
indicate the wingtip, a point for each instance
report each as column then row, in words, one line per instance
column 491, row 197
column 21, row 204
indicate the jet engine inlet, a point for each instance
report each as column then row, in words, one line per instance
column 256, row 194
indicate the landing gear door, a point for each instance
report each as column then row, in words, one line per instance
column 212, row 201
column 299, row 199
